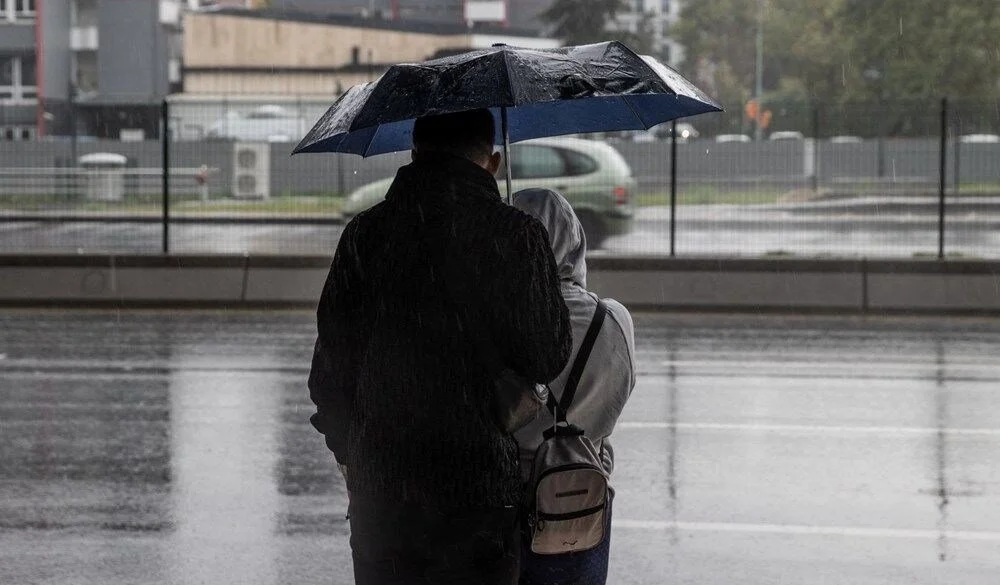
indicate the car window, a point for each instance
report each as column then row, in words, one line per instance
column 578, row 163
column 536, row 162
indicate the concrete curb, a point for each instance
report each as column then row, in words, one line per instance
column 641, row 283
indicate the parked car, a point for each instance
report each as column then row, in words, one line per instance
column 592, row 175
column 685, row 131
column 644, row 136
column 979, row 139
column 265, row 124
column 724, row 138
column 786, row 135
column 845, row 140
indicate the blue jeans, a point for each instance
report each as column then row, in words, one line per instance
column 589, row 567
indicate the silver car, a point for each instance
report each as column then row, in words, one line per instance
column 592, row 175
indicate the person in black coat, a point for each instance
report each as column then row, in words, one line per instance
column 402, row 396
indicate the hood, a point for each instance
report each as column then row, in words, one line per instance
column 569, row 244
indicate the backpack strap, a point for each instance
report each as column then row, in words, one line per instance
column 569, row 392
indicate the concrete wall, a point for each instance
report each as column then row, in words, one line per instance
column 640, row 283
column 903, row 158
column 300, row 174
column 275, row 83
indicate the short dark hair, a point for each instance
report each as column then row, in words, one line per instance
column 469, row 134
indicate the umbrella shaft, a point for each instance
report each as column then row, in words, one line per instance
column 506, row 149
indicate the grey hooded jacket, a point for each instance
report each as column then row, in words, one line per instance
column 609, row 376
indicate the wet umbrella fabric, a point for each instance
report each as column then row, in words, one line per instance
column 589, row 88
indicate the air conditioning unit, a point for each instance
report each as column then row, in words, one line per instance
column 251, row 170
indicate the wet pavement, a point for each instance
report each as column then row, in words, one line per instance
column 155, row 447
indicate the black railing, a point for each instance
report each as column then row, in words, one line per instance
column 216, row 177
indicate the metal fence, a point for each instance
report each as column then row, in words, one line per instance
column 870, row 180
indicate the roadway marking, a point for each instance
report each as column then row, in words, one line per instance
column 809, row 429
column 812, row 363
column 803, row 530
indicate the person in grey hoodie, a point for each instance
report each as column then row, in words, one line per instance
column 604, row 387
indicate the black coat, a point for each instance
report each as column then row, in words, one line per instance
column 401, row 391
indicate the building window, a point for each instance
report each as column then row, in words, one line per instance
column 536, row 162
column 25, row 8
column 9, row 133
column 17, row 78
column 17, row 9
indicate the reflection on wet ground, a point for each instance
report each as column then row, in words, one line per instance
column 156, row 447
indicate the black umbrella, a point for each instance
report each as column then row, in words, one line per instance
column 536, row 92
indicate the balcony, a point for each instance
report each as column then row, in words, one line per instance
column 83, row 38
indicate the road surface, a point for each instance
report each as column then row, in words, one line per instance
column 701, row 230
column 174, row 448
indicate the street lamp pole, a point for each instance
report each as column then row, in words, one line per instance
column 758, row 89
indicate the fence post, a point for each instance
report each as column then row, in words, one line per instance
column 880, row 144
column 73, row 124
column 942, row 175
column 165, row 171
column 673, row 187
column 957, row 135
column 815, row 148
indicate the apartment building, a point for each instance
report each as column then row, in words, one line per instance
column 74, row 62
column 18, row 70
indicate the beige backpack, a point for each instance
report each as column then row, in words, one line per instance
column 567, row 494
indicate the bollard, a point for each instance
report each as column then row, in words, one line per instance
column 165, row 175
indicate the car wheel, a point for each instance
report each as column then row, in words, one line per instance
column 593, row 228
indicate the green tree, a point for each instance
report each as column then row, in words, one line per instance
column 922, row 49
column 579, row 22
column 718, row 40
column 847, row 50
column 806, row 49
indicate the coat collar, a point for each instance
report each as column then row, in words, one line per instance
column 437, row 175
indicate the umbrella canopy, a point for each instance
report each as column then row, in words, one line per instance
column 589, row 88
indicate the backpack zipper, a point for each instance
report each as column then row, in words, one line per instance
column 572, row 515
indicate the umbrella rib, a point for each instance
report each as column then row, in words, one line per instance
column 624, row 98
column 506, row 72
column 368, row 147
